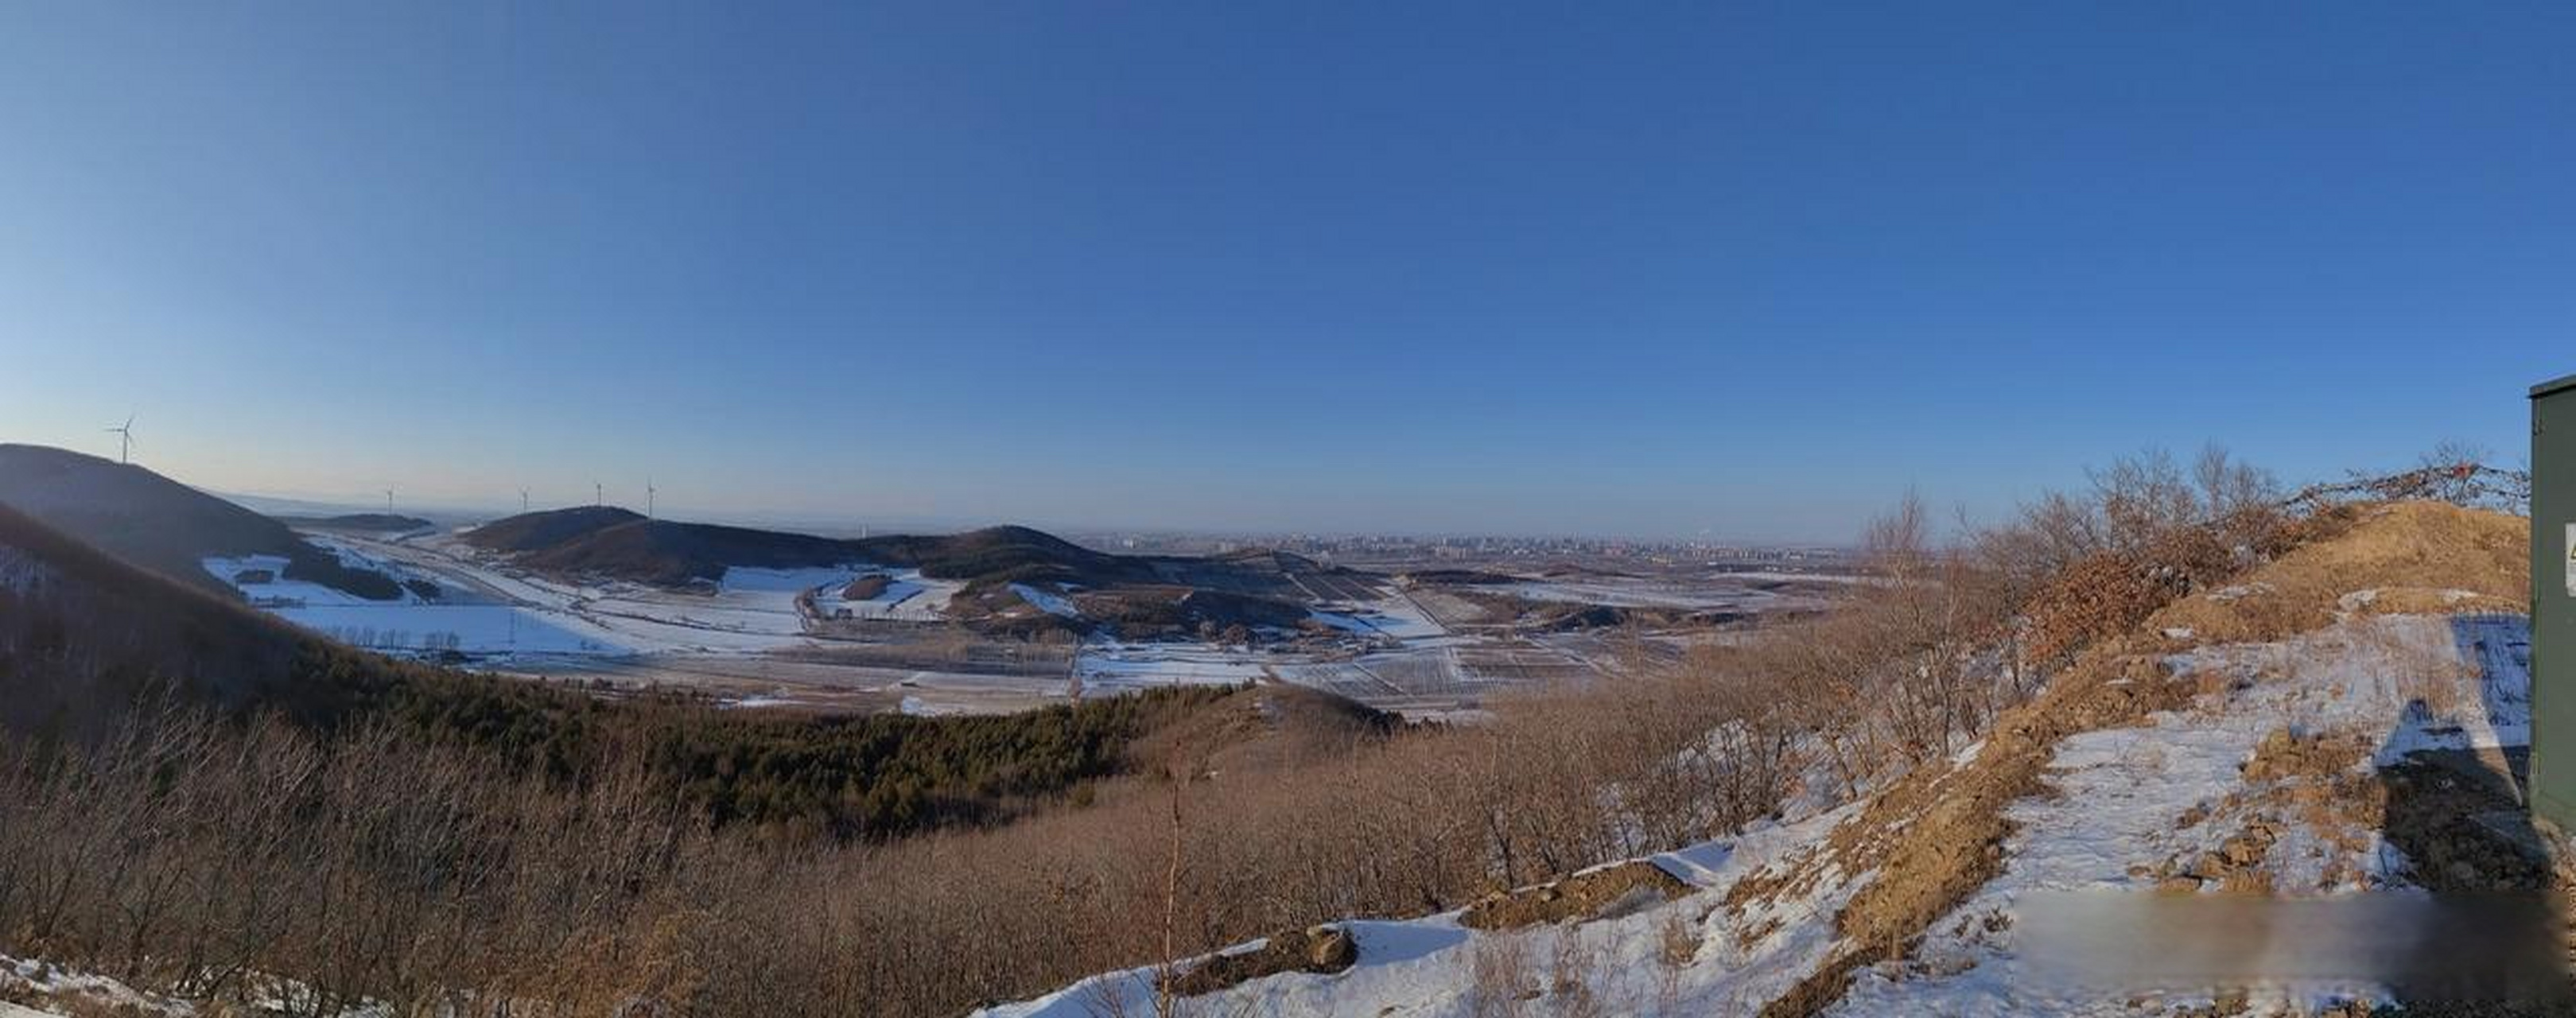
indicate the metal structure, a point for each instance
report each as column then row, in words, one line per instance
column 125, row 440
column 2553, row 603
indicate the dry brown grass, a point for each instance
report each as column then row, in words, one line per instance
column 1936, row 836
column 2413, row 557
column 1322, row 949
column 1591, row 894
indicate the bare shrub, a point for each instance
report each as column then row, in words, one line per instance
column 1499, row 981
column 1572, row 970
column 1677, row 943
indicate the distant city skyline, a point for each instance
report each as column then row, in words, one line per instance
column 1750, row 273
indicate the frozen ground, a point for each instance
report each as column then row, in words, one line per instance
column 2118, row 794
column 908, row 597
column 1053, row 604
column 489, row 611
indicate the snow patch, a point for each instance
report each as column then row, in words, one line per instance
column 1053, row 604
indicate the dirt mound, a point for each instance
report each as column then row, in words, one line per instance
column 1323, row 950
column 2397, row 558
column 1591, row 894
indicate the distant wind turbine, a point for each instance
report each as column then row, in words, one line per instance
column 648, row 498
column 523, row 501
column 389, row 501
column 125, row 444
column 598, row 494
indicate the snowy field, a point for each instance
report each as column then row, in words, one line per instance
column 487, row 609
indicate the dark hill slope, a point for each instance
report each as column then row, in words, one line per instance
column 1006, row 555
column 609, row 541
column 160, row 524
column 364, row 523
column 84, row 634
column 677, row 554
column 549, row 529
column 1145, row 597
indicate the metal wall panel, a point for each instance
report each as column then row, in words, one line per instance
column 2553, row 603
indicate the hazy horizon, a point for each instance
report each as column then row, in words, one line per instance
column 1743, row 274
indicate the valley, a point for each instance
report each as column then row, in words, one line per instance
column 856, row 635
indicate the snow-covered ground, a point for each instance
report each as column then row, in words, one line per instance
column 1051, row 603
column 1394, row 619
column 1635, row 594
column 908, row 597
column 61, row 992
column 1106, row 668
column 1430, row 967
column 489, row 609
column 2119, row 793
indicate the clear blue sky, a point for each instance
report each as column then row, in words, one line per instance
column 1752, row 270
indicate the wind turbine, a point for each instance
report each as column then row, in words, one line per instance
column 648, row 498
column 598, row 494
column 389, row 501
column 523, row 501
column 125, row 440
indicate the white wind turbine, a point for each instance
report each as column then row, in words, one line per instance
column 125, row 440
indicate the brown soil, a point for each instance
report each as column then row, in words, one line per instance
column 2288, row 754
column 1323, row 950
column 866, row 588
column 1584, row 896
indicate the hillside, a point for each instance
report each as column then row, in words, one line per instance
column 87, row 639
column 616, row 542
column 84, row 633
column 2344, row 723
column 1007, row 580
column 160, row 524
column 369, row 523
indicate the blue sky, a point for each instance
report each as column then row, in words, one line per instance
column 1663, row 270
